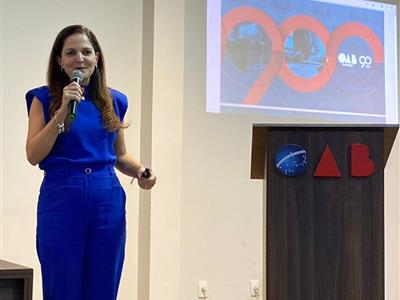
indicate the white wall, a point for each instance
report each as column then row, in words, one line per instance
column 28, row 31
column 167, row 129
column 392, row 223
column 221, row 207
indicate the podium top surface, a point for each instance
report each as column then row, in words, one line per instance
column 9, row 266
column 260, row 131
column 327, row 125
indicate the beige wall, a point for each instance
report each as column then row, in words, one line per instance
column 166, row 151
column 206, row 214
column 28, row 31
column 392, row 224
column 221, row 219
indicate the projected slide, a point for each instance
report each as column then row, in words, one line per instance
column 330, row 60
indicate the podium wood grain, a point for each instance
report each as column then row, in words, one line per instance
column 325, row 235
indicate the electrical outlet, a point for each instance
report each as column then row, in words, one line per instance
column 203, row 289
column 255, row 288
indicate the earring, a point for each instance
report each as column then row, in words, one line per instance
column 61, row 69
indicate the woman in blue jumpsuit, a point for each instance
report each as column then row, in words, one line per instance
column 81, row 210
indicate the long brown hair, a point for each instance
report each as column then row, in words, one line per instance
column 57, row 79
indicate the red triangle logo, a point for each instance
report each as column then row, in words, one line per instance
column 327, row 166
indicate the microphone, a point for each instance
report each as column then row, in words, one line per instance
column 77, row 77
column 147, row 173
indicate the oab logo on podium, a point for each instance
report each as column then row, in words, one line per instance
column 292, row 160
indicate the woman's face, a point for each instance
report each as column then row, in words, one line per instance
column 78, row 53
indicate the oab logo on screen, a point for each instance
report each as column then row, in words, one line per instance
column 352, row 60
column 292, row 160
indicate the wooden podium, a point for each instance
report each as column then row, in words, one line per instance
column 324, row 236
column 15, row 281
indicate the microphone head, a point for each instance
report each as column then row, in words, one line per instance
column 77, row 75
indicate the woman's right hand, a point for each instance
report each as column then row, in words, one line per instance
column 72, row 91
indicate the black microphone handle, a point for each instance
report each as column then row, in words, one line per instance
column 72, row 110
column 73, row 103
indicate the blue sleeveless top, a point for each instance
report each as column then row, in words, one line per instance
column 88, row 142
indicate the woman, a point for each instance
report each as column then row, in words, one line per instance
column 81, row 210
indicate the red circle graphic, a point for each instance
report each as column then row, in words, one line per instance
column 278, row 35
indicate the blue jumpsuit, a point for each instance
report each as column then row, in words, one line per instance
column 81, row 232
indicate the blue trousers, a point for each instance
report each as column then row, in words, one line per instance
column 81, row 233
